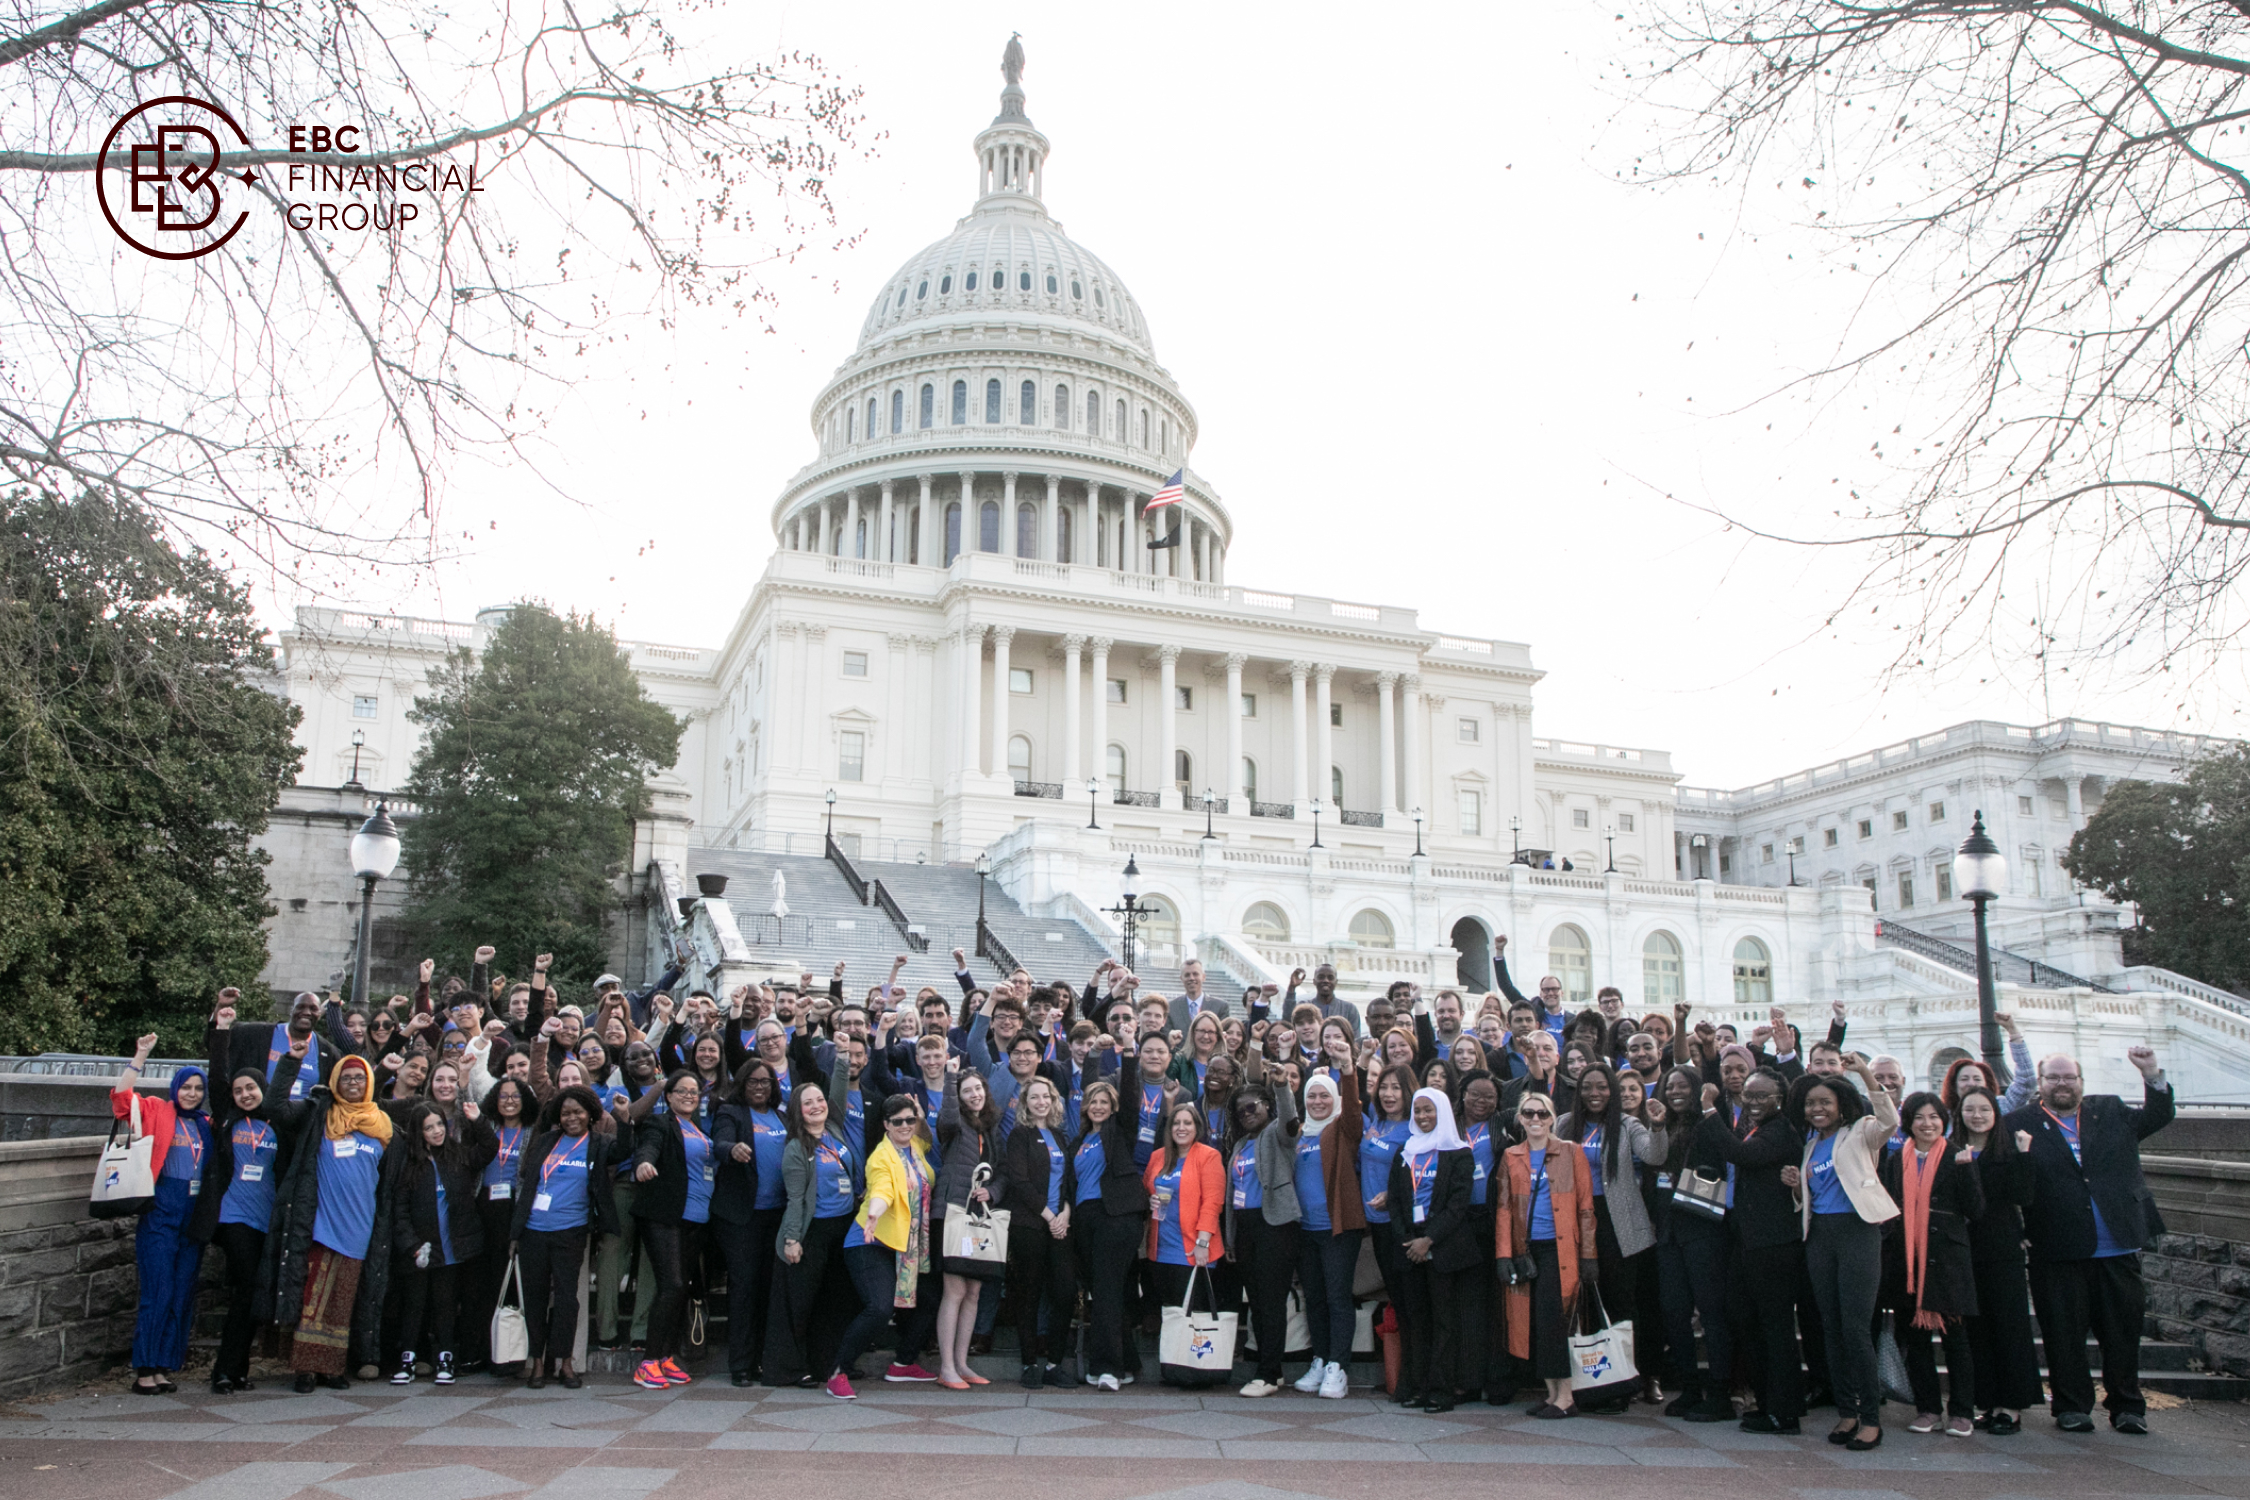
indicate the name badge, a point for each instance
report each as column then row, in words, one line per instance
column 502, row 1190
column 1420, row 1213
column 297, row 1089
column 708, row 1173
column 254, row 1172
column 1663, row 1179
column 543, row 1202
column 1241, row 1197
column 348, row 1146
column 194, row 1186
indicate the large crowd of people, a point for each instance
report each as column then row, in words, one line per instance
column 1478, row 1189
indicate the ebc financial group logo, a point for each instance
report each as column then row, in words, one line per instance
column 167, row 190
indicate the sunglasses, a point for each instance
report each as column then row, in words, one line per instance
column 1534, row 1114
column 909, row 1121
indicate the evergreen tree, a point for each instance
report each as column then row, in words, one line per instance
column 142, row 747
column 2180, row 851
column 534, row 763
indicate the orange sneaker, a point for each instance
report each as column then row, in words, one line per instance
column 674, row 1373
column 650, row 1374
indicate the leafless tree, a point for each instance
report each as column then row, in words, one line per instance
column 2050, row 198
column 294, row 398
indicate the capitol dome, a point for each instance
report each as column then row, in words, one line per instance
column 1004, row 396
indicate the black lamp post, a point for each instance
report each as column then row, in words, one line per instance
column 374, row 856
column 1128, row 910
column 1316, row 823
column 1093, row 801
column 982, row 866
column 359, row 738
column 1609, row 836
column 1980, row 873
column 1515, row 839
column 1207, row 799
column 830, row 832
column 1792, row 863
column 1417, row 833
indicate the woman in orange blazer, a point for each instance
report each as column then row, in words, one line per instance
column 1186, row 1184
column 1545, row 1228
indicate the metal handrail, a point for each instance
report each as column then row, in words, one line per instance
column 1039, row 789
column 843, row 864
column 917, row 942
column 1362, row 819
column 1136, row 799
column 1273, row 809
column 990, row 946
column 2012, row 968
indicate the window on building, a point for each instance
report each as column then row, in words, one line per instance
column 1052, row 287
column 1115, row 768
column 1472, row 813
column 1867, row 828
column 1027, row 531
column 1371, row 929
column 1019, row 679
column 1249, row 778
column 1144, row 427
column 1093, row 414
column 960, row 403
column 2032, row 865
column 1062, row 407
column 1467, row 730
column 1119, row 429
column 988, row 526
column 1765, row 854
column 855, row 664
column 1571, row 958
column 1335, row 715
column 929, row 406
column 1183, row 698
column 1944, row 883
column 1905, row 891
column 851, row 755
column 992, row 403
column 851, row 424
column 1117, row 690
column 898, row 412
column 1249, row 705
column 871, row 418
column 1828, row 838
column 1027, row 405
column 1726, row 864
column 945, row 284
column 922, row 290
column 1660, row 971
column 969, row 283
column 952, row 533
column 1625, row 822
column 1937, row 812
column 1797, row 844
column 1581, row 818
column 1898, row 822
column 1077, row 289
column 1869, row 883
column 365, row 706
column 1160, row 924
column 1063, row 539
column 1336, row 787
column 1753, row 973
column 1183, row 771
column 1265, row 922
column 1019, row 755
column 1023, row 281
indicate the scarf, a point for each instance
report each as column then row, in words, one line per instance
column 1321, row 1083
column 1444, row 1138
column 914, row 1260
column 1917, row 1172
column 364, row 1118
column 181, row 1076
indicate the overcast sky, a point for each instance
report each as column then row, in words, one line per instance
column 1442, row 356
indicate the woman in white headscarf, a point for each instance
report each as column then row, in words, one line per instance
column 1430, row 1187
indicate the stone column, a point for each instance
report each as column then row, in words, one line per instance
column 1085, row 538
column 1073, row 645
column 1008, row 546
column 852, row 547
column 971, row 532
column 1168, row 725
column 781, row 755
column 1683, row 858
column 1232, row 781
column 883, row 548
column 925, row 551
column 1001, row 636
column 972, row 682
column 898, row 706
column 1050, row 542
column 1417, row 792
column 1386, row 759
column 1323, row 737
column 1297, row 752
column 1097, row 754
column 821, row 536
column 808, row 695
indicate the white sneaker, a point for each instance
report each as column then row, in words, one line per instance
column 1310, row 1380
column 1337, row 1383
column 1124, row 1380
column 1258, row 1388
column 1106, row 1382
column 1092, row 1378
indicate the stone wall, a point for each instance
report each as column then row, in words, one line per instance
column 67, row 1282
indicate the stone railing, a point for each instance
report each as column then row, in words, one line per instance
column 67, row 1284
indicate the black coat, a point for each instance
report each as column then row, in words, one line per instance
column 1949, row 1283
column 1765, row 1209
column 1449, row 1229
column 1024, row 1162
column 280, row 1295
column 244, row 1045
column 658, row 1142
column 2005, row 1176
column 2059, row 1221
column 603, row 1152
column 413, row 1191
column 1124, row 1193
column 734, row 1193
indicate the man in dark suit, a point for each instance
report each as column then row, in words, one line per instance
column 1191, row 1001
column 2089, row 1218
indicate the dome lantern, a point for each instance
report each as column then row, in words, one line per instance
column 1011, row 153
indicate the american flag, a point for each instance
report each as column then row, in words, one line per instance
column 1172, row 493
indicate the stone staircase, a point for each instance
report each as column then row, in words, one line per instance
column 826, row 921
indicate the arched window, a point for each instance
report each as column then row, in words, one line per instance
column 1077, row 291
column 851, row 425
column 1164, row 436
column 999, row 278
column 992, row 403
column 1019, row 757
column 1572, row 959
column 1249, row 778
column 902, row 296
column 1023, row 281
column 1027, row 405
column 1159, row 923
column 929, row 406
column 1120, row 428
column 1946, row 1057
column 1183, row 771
column 988, row 527
column 859, row 538
column 1093, row 414
column 898, row 412
column 1336, row 787
column 970, row 283
column 1027, row 531
column 923, row 290
column 1144, row 427
column 945, row 284
column 960, row 403
column 1114, row 767
column 1051, row 287
column 952, row 533
column 1062, row 408
column 1660, row 971
column 871, row 417
column 1266, row 922
column 1371, row 929
column 1063, row 538
column 1098, row 296
column 1753, row 973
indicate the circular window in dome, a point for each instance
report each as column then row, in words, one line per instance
column 1051, row 287
column 922, row 291
column 1023, row 281
column 971, row 283
column 945, row 284
column 1077, row 291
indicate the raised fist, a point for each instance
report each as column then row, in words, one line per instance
column 484, row 954
column 543, row 962
column 960, row 960
column 429, row 967
column 1296, row 977
column 2023, row 1140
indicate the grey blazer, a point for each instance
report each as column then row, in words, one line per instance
column 1621, row 1182
column 798, row 1177
column 1181, row 1019
column 1276, row 1162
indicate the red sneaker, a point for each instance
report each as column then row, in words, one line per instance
column 674, row 1373
column 840, row 1386
column 907, row 1372
column 650, row 1374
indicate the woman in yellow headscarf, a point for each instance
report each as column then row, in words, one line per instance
column 319, row 1278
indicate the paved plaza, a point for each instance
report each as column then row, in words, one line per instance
column 612, row 1441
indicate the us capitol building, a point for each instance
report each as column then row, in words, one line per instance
column 966, row 660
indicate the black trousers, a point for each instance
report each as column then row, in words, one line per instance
column 1435, row 1332
column 480, row 1283
column 1692, row 1271
column 675, row 1248
column 812, row 1301
column 749, row 1252
column 1762, row 1294
column 2000, row 1337
column 1266, row 1260
column 245, row 1247
column 1550, row 1320
column 429, row 1303
column 1042, row 1270
column 2103, row 1296
column 550, row 1259
column 1487, row 1304
column 1107, row 1244
column 1921, row 1364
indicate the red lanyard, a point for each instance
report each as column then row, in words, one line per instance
column 1422, row 1174
column 561, row 1157
column 511, row 1142
column 193, row 1143
column 687, row 1128
column 259, row 1134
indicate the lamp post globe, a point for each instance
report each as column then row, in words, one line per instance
column 1980, row 874
column 374, row 854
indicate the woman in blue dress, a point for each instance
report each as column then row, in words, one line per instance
column 168, row 1258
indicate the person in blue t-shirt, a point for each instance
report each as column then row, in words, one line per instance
column 252, row 1149
column 674, row 1169
column 165, row 1251
column 510, row 1112
column 326, row 1286
column 564, row 1195
column 1041, row 1188
column 1380, row 1138
column 434, row 1230
column 748, row 1132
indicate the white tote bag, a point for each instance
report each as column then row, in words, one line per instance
column 511, row 1340
column 125, row 1179
column 1196, row 1348
column 1603, row 1360
column 976, row 1234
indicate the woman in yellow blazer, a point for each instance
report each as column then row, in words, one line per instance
column 1544, row 1204
column 887, row 1250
